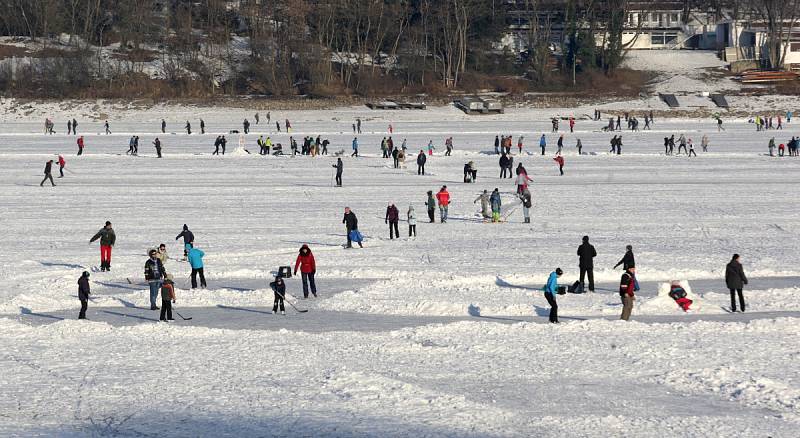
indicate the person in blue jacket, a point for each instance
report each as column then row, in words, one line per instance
column 355, row 147
column 550, row 292
column 496, row 203
column 196, row 262
column 543, row 143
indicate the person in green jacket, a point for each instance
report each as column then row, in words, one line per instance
column 107, row 241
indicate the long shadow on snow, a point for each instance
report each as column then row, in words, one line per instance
column 117, row 285
column 129, row 316
column 62, row 265
column 242, row 309
column 502, row 283
column 27, row 311
column 299, row 242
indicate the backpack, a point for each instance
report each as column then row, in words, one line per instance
column 576, row 288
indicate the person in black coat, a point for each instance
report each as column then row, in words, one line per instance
column 421, row 160
column 83, row 294
column 279, row 289
column 586, row 255
column 339, row 166
column 392, row 218
column 48, row 169
column 735, row 280
column 627, row 260
column 188, row 240
column 154, row 274
column 505, row 166
column 351, row 223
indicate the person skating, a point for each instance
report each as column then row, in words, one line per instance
column 195, row 258
column 682, row 144
column 527, row 203
column 560, row 144
column 163, row 126
column 486, row 207
column 443, row 196
column 586, row 255
column 497, row 144
column 522, row 179
column 627, row 286
column 392, row 218
column 74, row 127
column 108, row 128
column 430, row 148
column 704, row 143
column 691, row 148
column 80, row 145
column 222, row 143
column 83, row 294
column 771, row 147
column 448, row 146
column 188, row 240
column 358, row 125
column 339, row 166
column 157, row 144
column 153, row 274
column 411, row 216
column 497, row 204
column 107, row 240
column 395, row 159
column 579, row 145
column 69, row 127
column 430, row 203
column 61, row 164
column 188, row 128
column 279, row 289
column 246, row 126
column 421, row 160
column 560, row 161
column 308, row 268
column 288, row 125
column 278, row 126
column 130, row 145
column 735, row 280
column 355, row 147
column 217, row 144
column 619, row 145
column 167, row 298
column 256, row 117
column 550, row 292
column 202, row 126
column 351, row 224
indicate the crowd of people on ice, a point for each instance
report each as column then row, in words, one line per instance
column 491, row 208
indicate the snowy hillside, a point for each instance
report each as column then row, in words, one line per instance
column 444, row 334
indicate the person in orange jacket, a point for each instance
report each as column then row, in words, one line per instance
column 308, row 267
column 443, row 197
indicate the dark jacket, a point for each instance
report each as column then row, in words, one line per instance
column 106, row 236
column 278, row 288
column 734, row 275
column 339, row 166
column 392, row 214
column 504, row 162
column 431, row 203
column 188, row 236
column 586, row 253
column 83, row 288
column 351, row 221
column 627, row 284
column 48, row 167
column 627, row 261
column 421, row 159
column 149, row 269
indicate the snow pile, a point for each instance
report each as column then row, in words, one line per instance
column 681, row 71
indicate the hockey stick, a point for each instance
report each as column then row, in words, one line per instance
column 290, row 303
column 179, row 314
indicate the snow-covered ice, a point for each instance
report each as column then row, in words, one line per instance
column 439, row 335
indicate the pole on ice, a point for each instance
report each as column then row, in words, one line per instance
column 290, row 303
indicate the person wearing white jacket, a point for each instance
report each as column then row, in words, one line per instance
column 412, row 221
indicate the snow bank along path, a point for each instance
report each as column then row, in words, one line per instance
column 250, row 214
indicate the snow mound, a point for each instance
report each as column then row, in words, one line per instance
column 664, row 304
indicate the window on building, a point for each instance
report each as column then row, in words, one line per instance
column 657, row 39
column 795, row 47
column 673, row 18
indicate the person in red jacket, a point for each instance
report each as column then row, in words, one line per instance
column 560, row 160
column 308, row 267
column 80, row 145
column 627, row 285
column 444, row 201
column 61, row 164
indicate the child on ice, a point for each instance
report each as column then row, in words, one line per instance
column 677, row 293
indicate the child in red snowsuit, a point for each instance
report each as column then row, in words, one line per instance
column 677, row 293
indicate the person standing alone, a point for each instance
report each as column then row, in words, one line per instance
column 107, row 240
column 735, row 280
column 392, row 218
column 83, row 294
column 586, row 255
column 196, row 262
column 153, row 274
